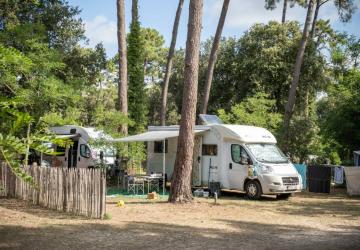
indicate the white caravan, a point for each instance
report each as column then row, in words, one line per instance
column 243, row 158
column 81, row 154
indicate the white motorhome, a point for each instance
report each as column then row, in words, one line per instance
column 81, row 153
column 244, row 158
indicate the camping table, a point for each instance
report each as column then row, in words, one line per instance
column 150, row 178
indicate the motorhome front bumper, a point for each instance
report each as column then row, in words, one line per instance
column 280, row 184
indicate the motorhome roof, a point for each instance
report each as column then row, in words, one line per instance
column 85, row 133
column 244, row 133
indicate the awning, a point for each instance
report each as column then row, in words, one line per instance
column 69, row 136
column 158, row 135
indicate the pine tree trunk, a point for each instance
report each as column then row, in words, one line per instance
column 181, row 186
column 283, row 19
column 122, row 84
column 213, row 57
column 318, row 4
column 134, row 10
column 306, row 108
column 169, row 64
column 296, row 73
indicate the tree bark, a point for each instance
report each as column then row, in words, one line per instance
column 307, row 109
column 181, row 187
column 134, row 10
column 283, row 18
column 296, row 73
column 213, row 57
column 122, row 84
column 318, row 4
column 169, row 64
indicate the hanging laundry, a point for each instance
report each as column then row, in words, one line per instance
column 339, row 175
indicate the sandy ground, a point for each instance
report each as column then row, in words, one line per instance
column 305, row 221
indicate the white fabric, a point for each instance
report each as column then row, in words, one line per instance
column 339, row 175
column 152, row 136
column 352, row 175
column 67, row 136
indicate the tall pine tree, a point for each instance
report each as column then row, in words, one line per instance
column 136, row 92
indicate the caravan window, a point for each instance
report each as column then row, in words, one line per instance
column 158, row 146
column 209, row 149
column 85, row 151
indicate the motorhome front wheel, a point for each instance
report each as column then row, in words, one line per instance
column 253, row 190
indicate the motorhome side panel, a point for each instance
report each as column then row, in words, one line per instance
column 155, row 159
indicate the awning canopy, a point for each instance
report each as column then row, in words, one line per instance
column 152, row 136
column 67, row 136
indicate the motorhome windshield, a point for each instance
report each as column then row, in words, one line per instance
column 267, row 153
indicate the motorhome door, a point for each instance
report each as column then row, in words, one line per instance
column 237, row 166
column 73, row 154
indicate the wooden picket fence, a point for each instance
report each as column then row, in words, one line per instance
column 77, row 191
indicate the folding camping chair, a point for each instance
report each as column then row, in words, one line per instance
column 135, row 185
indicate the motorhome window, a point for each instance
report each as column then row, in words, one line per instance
column 85, row 151
column 60, row 151
column 269, row 153
column 158, row 146
column 238, row 154
column 209, row 149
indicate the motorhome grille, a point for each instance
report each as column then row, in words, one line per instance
column 290, row 180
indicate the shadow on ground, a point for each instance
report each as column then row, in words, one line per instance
column 137, row 235
column 69, row 232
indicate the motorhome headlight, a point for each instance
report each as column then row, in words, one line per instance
column 266, row 169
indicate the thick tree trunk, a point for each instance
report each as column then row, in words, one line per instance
column 169, row 64
column 318, row 4
column 122, row 84
column 296, row 73
column 213, row 57
column 283, row 18
column 181, row 186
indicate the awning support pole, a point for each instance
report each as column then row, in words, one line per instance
column 164, row 150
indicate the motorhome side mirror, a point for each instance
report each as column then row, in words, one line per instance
column 249, row 161
column 246, row 161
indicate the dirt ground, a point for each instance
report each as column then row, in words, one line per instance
column 305, row 221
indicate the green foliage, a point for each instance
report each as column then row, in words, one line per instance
column 339, row 113
column 137, row 100
column 257, row 110
column 272, row 4
column 62, row 27
column 107, row 216
column 154, row 95
column 260, row 61
column 305, row 140
column 48, row 79
column 154, row 54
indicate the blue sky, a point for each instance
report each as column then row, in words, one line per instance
column 100, row 18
